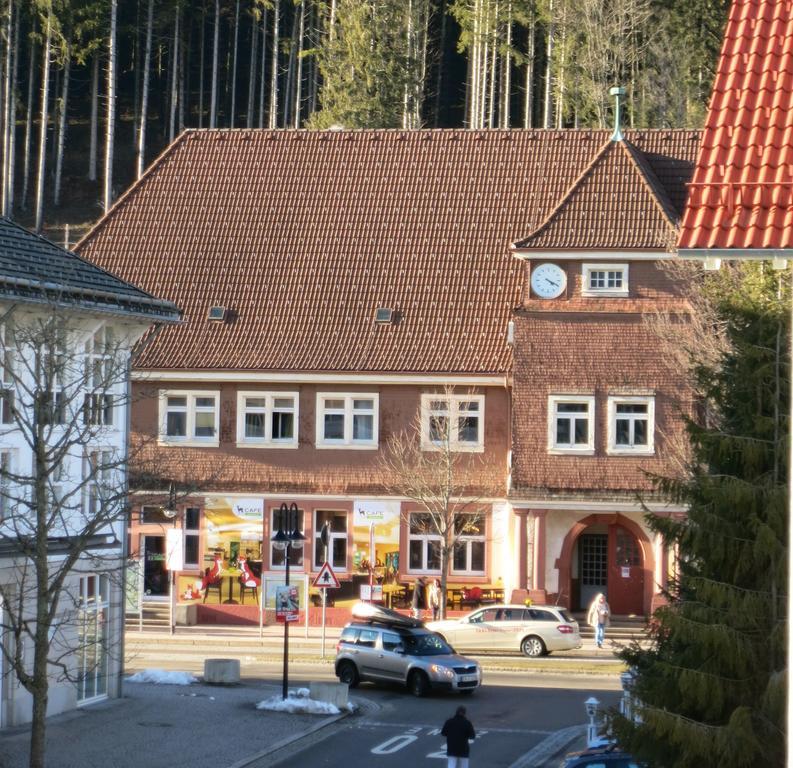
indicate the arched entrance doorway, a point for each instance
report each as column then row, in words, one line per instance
column 610, row 554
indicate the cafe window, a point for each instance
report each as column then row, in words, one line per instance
column 337, row 539
column 424, row 543
column 192, row 537
column 278, row 556
column 469, row 544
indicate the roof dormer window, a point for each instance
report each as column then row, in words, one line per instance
column 604, row 280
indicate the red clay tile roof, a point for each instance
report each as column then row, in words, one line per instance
column 742, row 192
column 616, row 192
column 304, row 234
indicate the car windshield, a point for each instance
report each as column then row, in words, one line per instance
column 425, row 645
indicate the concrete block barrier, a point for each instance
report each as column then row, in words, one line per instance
column 222, row 671
column 332, row 693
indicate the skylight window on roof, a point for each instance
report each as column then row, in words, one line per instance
column 384, row 315
column 217, row 314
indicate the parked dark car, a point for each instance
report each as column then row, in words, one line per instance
column 611, row 756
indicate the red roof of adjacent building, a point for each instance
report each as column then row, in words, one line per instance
column 741, row 197
column 303, row 235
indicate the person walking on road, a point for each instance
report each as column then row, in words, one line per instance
column 418, row 597
column 598, row 617
column 458, row 731
column 434, row 598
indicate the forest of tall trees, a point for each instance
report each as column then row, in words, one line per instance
column 92, row 90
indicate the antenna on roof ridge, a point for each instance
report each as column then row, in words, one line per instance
column 617, row 92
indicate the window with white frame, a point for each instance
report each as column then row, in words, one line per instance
column 99, row 375
column 469, row 543
column 424, row 543
column 631, row 424
column 337, row 539
column 278, row 556
column 458, row 419
column 97, row 470
column 604, row 280
column 6, row 467
column 189, row 417
column 51, row 374
column 92, row 634
column 347, row 420
column 267, row 419
column 6, row 375
column 571, row 424
column 192, row 537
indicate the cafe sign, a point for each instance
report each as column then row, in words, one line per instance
column 249, row 509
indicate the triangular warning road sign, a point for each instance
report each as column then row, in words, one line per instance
column 326, row 579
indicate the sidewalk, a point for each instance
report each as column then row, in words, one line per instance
column 199, row 642
column 167, row 726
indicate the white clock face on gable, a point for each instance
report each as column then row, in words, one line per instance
column 548, row 281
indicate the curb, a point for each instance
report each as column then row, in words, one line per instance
column 289, row 740
column 546, row 749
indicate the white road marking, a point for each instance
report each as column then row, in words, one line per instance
column 434, row 730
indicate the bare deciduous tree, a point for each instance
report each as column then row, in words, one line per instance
column 428, row 464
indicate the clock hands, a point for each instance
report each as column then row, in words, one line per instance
column 548, row 280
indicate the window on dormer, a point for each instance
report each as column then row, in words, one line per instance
column 604, row 280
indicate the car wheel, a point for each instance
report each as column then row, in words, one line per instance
column 532, row 646
column 418, row 684
column 348, row 674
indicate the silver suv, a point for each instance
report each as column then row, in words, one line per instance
column 383, row 645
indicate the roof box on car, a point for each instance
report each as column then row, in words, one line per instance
column 376, row 613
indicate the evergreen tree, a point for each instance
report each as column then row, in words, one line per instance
column 364, row 66
column 711, row 687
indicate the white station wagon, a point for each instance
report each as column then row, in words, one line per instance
column 534, row 630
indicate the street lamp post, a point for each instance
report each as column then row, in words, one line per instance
column 287, row 536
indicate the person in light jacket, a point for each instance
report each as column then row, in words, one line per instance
column 434, row 598
column 598, row 617
column 458, row 731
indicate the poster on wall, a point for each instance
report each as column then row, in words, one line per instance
column 381, row 518
column 287, row 603
column 235, row 528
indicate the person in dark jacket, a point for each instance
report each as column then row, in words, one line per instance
column 458, row 732
column 418, row 598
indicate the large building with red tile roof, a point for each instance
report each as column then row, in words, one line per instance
column 334, row 284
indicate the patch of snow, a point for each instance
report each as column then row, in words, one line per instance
column 162, row 677
column 298, row 702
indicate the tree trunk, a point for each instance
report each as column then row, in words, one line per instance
column 12, row 109
column 215, row 53
column 299, row 72
column 174, row 75
column 262, row 80
column 441, row 58
column 546, row 117
column 144, row 97
column 8, row 120
column 63, row 114
column 290, row 72
column 93, row 149
column 201, row 67
column 234, row 64
column 528, row 106
column 45, row 95
column 274, row 66
column 111, row 107
column 506, row 73
column 252, row 73
column 29, row 126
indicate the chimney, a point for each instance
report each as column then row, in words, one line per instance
column 617, row 92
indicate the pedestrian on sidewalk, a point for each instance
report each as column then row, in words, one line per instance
column 598, row 617
column 418, row 598
column 434, row 599
column 458, row 731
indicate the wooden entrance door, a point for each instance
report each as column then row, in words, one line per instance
column 626, row 572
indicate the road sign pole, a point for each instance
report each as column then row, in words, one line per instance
column 324, row 603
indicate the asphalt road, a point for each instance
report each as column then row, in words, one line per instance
column 512, row 714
